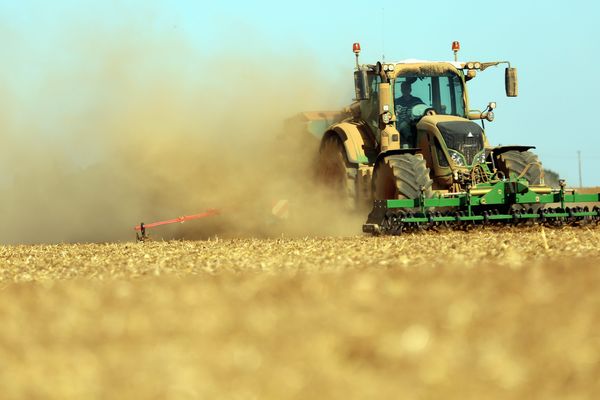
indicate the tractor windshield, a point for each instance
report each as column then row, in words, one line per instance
column 416, row 94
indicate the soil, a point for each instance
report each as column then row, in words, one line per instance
column 491, row 314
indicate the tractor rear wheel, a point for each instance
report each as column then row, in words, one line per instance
column 401, row 176
column 523, row 164
column 336, row 174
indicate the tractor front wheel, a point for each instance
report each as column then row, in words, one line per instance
column 401, row 176
column 521, row 164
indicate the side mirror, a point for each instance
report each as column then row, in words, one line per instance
column 510, row 82
column 360, row 85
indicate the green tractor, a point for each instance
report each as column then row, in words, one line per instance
column 410, row 148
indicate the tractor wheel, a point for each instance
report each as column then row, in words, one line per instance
column 336, row 174
column 523, row 164
column 401, row 177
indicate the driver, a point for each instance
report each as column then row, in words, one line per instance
column 404, row 104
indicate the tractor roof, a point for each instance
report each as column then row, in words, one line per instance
column 421, row 67
column 455, row 64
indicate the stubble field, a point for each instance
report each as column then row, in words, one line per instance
column 484, row 314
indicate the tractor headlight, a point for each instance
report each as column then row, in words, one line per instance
column 458, row 158
column 479, row 158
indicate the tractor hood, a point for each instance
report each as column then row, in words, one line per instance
column 460, row 139
column 429, row 122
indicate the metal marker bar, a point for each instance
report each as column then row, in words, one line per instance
column 208, row 213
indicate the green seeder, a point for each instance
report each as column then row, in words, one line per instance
column 510, row 201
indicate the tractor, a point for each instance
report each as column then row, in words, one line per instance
column 409, row 147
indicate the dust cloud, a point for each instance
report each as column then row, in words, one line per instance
column 144, row 130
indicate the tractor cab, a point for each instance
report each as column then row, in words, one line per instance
column 441, row 93
column 418, row 95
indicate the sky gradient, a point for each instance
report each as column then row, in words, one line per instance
column 553, row 44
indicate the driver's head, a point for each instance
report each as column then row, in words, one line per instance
column 405, row 88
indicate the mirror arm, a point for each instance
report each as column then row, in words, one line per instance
column 475, row 114
column 493, row 64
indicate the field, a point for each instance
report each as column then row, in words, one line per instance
column 484, row 314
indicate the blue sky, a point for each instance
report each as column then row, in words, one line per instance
column 555, row 46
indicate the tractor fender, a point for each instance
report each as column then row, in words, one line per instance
column 503, row 149
column 353, row 139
